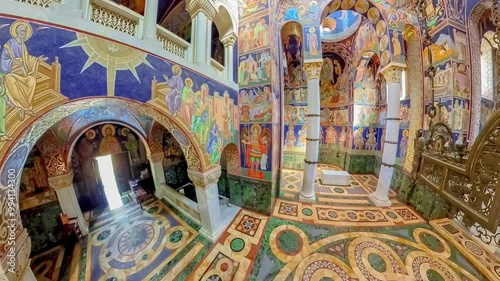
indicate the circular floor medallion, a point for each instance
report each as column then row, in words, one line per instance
column 377, row 262
column 392, row 215
column 237, row 244
column 333, row 214
column 214, row 277
column 338, row 190
column 307, row 212
column 175, row 236
column 474, row 248
column 433, row 275
column 289, row 242
column 103, row 235
column 135, row 239
column 352, row 215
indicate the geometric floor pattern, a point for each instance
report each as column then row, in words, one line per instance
column 357, row 193
column 325, row 240
column 136, row 244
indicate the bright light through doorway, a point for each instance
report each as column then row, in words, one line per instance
column 108, row 180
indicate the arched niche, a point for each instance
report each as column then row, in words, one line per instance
column 102, row 138
column 292, row 46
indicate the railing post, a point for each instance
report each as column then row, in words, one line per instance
column 150, row 17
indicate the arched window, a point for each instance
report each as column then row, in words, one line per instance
column 489, row 79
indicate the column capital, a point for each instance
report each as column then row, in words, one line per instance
column 194, row 7
column 61, row 181
column 392, row 74
column 313, row 69
column 229, row 39
column 157, row 157
column 205, row 179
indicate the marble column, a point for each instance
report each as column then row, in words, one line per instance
column 158, row 173
column 63, row 185
column 150, row 17
column 208, row 202
column 202, row 13
column 228, row 42
column 392, row 76
column 312, row 69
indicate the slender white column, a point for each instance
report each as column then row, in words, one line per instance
column 150, row 16
column 158, row 173
column 313, row 70
column 208, row 202
column 228, row 42
column 381, row 195
column 63, row 185
column 202, row 13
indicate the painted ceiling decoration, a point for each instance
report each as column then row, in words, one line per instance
column 340, row 25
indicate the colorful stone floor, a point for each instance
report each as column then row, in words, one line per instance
column 326, row 240
column 355, row 194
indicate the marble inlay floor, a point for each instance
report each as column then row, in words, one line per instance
column 356, row 193
column 299, row 241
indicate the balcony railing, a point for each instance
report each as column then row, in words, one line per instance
column 40, row 3
column 120, row 18
column 171, row 42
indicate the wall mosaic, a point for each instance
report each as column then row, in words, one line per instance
column 256, row 150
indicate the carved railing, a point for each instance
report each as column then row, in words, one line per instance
column 217, row 66
column 469, row 182
column 172, row 42
column 120, row 18
column 40, row 3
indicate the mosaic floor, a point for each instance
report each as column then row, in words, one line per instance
column 355, row 194
column 335, row 240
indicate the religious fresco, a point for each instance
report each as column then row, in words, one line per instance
column 396, row 44
column 404, row 113
column 295, row 114
column 340, row 25
column 58, row 74
column 306, row 12
column 334, row 116
column 34, row 187
column 312, row 46
column 460, row 38
column 366, row 43
column 333, row 80
column 403, row 139
column 435, row 12
column 442, row 49
column 256, row 104
column 461, row 80
column 254, row 69
column 249, row 7
column 460, row 115
column 254, row 34
column 256, row 150
column 487, row 110
column 365, row 115
column 365, row 138
column 295, row 95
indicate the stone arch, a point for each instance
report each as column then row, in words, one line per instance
column 21, row 148
column 224, row 19
column 231, row 155
column 475, row 37
column 53, row 158
column 73, row 140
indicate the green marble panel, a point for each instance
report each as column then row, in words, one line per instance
column 360, row 164
column 293, row 160
column 251, row 194
column 423, row 200
column 42, row 224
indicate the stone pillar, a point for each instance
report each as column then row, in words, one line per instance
column 150, row 16
column 158, row 173
column 392, row 76
column 208, row 202
column 63, row 185
column 202, row 13
column 228, row 42
column 312, row 70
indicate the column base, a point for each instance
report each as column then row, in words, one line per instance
column 380, row 203
column 213, row 236
column 307, row 199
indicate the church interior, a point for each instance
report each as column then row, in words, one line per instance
column 249, row 140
